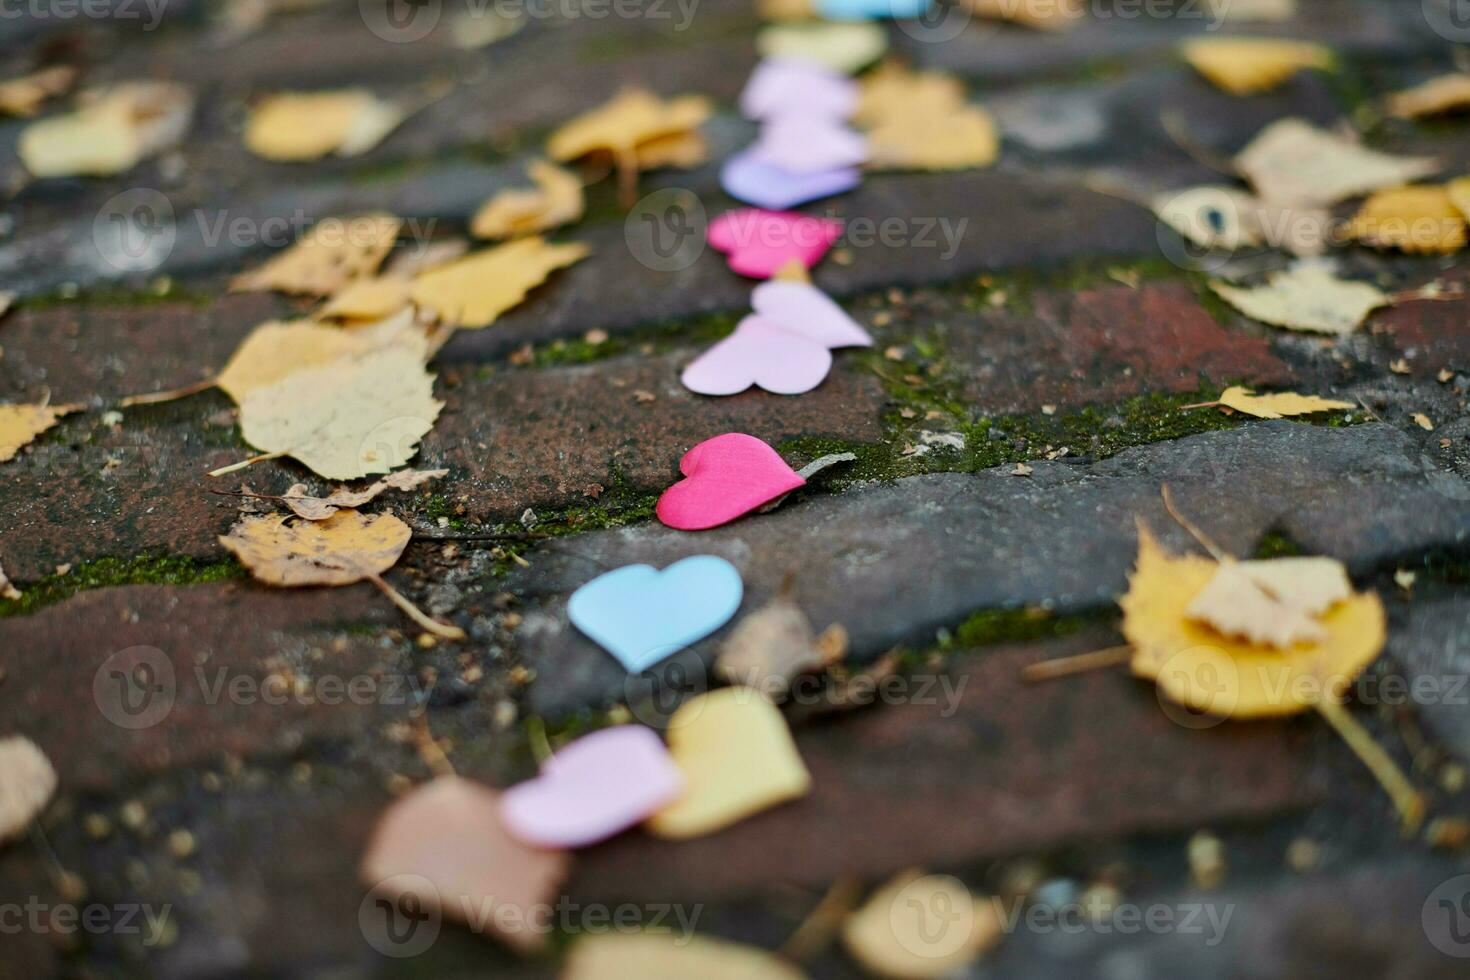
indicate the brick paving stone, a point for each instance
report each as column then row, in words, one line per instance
column 896, row 561
column 993, row 767
column 1103, row 345
column 1431, row 640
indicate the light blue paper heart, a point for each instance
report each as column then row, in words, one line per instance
column 871, row 9
column 642, row 615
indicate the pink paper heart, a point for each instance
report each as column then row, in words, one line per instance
column 808, row 146
column 595, row 787
column 808, row 311
column 795, row 88
column 760, row 242
column 725, row 477
column 759, row 353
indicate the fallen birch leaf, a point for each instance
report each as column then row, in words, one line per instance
column 111, row 132
column 1244, row 66
column 321, row 508
column 1312, row 584
column 1195, row 665
column 344, row 549
column 1293, row 162
column 1418, row 220
column 769, row 647
column 475, row 290
column 1214, row 216
column 367, row 300
column 1307, row 296
column 666, row 956
column 20, row 424
column 1274, row 406
column 630, row 118
column 1235, row 605
column 25, row 95
column 738, row 758
column 556, row 201
column 959, row 140
column 444, row 846
column 274, row 351
column 8, row 589
column 1447, row 93
column 347, row 419
column 1423, row 421
column 27, row 783
column 921, row 926
column 294, row 126
column 681, row 151
column 332, row 254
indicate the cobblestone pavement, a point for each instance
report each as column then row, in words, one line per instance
column 1061, row 329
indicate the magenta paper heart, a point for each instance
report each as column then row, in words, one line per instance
column 597, row 786
column 747, row 179
column 807, row 146
column 808, row 311
column 762, row 354
column 796, row 88
column 760, row 243
column 725, row 477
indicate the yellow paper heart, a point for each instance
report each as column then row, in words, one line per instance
column 738, row 758
column 843, row 47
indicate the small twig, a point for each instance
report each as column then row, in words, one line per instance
column 821, row 924
column 627, row 163
column 1185, row 408
column 1216, row 552
column 1406, row 799
column 429, row 751
column 158, row 397
column 246, row 462
column 1080, row 663
column 413, row 612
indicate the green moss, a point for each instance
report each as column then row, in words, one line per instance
column 104, row 572
column 114, row 297
column 652, row 339
column 1274, row 544
column 992, row 626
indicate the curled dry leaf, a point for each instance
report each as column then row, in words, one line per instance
column 1447, row 93
column 320, row 508
column 27, row 783
column 1274, row 406
column 274, row 351
column 351, row 418
column 309, row 125
column 919, row 120
column 475, row 290
column 332, row 254
column 1307, row 296
column 894, row 935
column 7, row 588
column 1293, row 162
column 556, row 201
column 664, row 956
column 769, row 647
column 1244, row 66
column 1236, row 605
column 345, row 548
column 1197, row 665
column 630, row 119
column 19, row 424
column 24, row 96
column 1421, row 220
column 444, row 845
column 367, row 300
column 113, row 130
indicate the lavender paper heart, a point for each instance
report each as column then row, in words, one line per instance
column 798, row 89
column 759, row 353
column 807, row 310
column 747, row 179
column 800, row 146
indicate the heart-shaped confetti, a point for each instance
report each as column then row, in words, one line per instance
column 724, row 478
column 761, row 242
column 840, row 47
column 642, row 615
column 871, row 9
column 597, row 786
column 792, row 88
column 748, row 179
column 738, row 758
column 759, row 353
column 802, row 146
column 805, row 309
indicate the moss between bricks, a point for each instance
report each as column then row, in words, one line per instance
column 104, row 572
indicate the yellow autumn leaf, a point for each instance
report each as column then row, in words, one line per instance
column 681, row 151
column 1307, row 296
column 294, row 126
column 1236, row 605
column 556, row 201
column 111, row 132
column 333, row 253
column 344, row 548
column 23, row 96
column 1421, row 220
column 1054, row 15
column 1243, row 66
column 350, row 418
column 27, row 783
column 1194, row 664
column 666, row 956
column 367, row 300
column 1277, row 405
column 1293, row 162
column 19, row 424
column 897, row 933
column 275, row 350
column 632, row 117
column 1447, row 93
column 475, row 290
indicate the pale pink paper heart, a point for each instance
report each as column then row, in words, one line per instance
column 759, row 243
column 762, row 354
column 804, row 146
column 597, row 786
column 810, row 312
column 725, row 477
